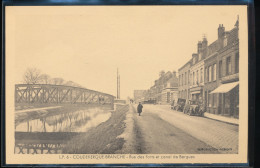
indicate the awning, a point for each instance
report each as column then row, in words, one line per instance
column 195, row 92
column 224, row 88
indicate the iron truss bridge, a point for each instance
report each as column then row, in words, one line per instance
column 59, row 94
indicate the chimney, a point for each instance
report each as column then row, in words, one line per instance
column 194, row 58
column 199, row 46
column 194, row 55
column 174, row 73
column 204, row 42
column 221, row 30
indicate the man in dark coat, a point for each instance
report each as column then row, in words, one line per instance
column 139, row 108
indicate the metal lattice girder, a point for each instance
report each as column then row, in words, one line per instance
column 45, row 93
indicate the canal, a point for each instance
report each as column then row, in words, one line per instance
column 50, row 133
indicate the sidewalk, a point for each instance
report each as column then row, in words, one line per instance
column 222, row 118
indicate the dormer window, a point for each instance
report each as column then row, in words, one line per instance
column 194, row 60
column 199, row 56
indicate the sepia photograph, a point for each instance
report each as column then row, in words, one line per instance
column 126, row 84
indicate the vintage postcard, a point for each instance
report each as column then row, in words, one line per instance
column 126, row 84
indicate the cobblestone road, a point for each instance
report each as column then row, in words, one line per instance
column 190, row 132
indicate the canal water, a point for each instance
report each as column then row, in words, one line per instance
column 56, row 126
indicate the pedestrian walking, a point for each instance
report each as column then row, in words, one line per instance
column 139, row 108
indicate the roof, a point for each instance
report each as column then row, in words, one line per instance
column 185, row 65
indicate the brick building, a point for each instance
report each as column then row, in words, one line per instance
column 222, row 74
column 213, row 74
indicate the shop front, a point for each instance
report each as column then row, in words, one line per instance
column 228, row 99
column 196, row 93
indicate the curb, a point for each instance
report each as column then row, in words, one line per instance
column 221, row 118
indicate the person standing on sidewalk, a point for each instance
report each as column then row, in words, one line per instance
column 139, row 108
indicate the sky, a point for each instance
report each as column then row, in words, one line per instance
column 87, row 44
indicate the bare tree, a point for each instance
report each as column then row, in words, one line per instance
column 31, row 76
column 45, row 79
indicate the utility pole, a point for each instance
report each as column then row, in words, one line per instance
column 118, row 85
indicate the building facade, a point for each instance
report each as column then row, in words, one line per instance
column 170, row 90
column 197, row 71
column 214, row 74
column 139, row 95
column 184, row 81
column 222, row 74
column 164, row 90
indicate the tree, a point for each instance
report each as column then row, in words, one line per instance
column 45, row 79
column 71, row 83
column 32, row 76
column 57, row 81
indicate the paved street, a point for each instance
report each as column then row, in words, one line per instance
column 161, row 130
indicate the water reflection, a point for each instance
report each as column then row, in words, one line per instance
column 78, row 121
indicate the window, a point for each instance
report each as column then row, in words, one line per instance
column 197, row 75
column 237, row 63
column 201, row 75
column 220, row 69
column 180, row 80
column 193, row 78
column 214, row 72
column 210, row 73
column 185, row 79
column 225, row 41
column 188, row 77
column 206, row 75
column 194, row 60
column 228, row 66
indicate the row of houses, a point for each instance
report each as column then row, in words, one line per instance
column 164, row 90
column 210, row 76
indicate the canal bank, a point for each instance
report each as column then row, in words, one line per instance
column 33, row 113
column 103, row 139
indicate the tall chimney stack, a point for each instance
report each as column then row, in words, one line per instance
column 118, row 85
